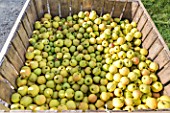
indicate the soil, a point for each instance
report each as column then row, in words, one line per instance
column 9, row 11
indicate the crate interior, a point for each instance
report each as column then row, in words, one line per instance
column 134, row 10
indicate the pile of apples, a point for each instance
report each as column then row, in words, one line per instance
column 87, row 62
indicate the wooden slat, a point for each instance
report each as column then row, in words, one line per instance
column 76, row 6
column 151, row 37
column 64, row 7
column 142, row 22
column 138, row 14
column 2, row 107
column 145, row 31
column 162, row 58
column 39, row 8
column 44, row 4
column 26, row 25
column 30, row 14
column 23, row 35
column 9, row 72
column 108, row 5
column 97, row 6
column 118, row 9
column 33, row 10
column 166, row 90
column 6, row 90
column 134, row 8
column 54, row 7
column 128, row 13
column 155, row 49
column 21, row 49
column 164, row 74
column 87, row 4
column 14, row 58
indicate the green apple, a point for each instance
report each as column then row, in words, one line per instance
column 156, row 86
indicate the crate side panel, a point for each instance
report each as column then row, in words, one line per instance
column 9, row 72
column 27, row 26
column 118, row 9
column 108, row 5
column 151, row 37
column 39, row 8
column 146, row 29
column 6, row 90
column 76, row 6
column 19, row 47
column 128, row 13
column 162, row 58
column 138, row 14
column 33, row 10
column 2, row 107
column 134, row 8
column 54, row 8
column 142, row 22
column 23, row 35
column 164, row 74
column 98, row 5
column 14, row 58
column 166, row 90
column 155, row 49
column 86, row 5
column 64, row 7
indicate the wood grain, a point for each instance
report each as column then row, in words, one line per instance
column 54, row 7
column 76, row 6
column 146, row 29
column 164, row 74
column 9, row 72
column 97, row 6
column 23, row 35
column 138, row 14
column 2, row 107
column 150, row 38
column 6, row 90
column 39, row 8
column 118, row 9
column 87, row 4
column 155, row 49
column 128, row 13
column 64, row 7
column 21, row 50
column 14, row 58
column 134, row 9
column 166, row 90
column 162, row 58
column 142, row 22
column 27, row 27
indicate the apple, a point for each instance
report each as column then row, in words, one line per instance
column 118, row 92
column 118, row 102
column 135, row 60
column 137, row 94
column 78, row 96
column 124, row 71
column 156, row 86
column 151, row 103
column 163, row 104
column 153, row 66
column 146, row 79
column 111, row 86
column 133, row 76
column 145, row 88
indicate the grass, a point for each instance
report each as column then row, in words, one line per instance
column 160, row 13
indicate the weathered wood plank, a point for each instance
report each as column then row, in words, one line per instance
column 146, row 29
column 162, row 58
column 150, row 38
column 26, row 25
column 21, row 49
column 44, row 5
column 134, row 8
column 2, row 107
column 39, row 8
column 23, row 35
column 6, row 91
column 33, row 10
column 14, row 58
column 9, row 72
column 76, row 6
column 54, row 8
column 108, row 5
column 118, row 9
column 30, row 16
column 142, row 22
column 64, row 7
column 87, row 4
column 166, row 90
column 155, row 49
column 164, row 74
column 97, row 6
column 138, row 14
column 128, row 13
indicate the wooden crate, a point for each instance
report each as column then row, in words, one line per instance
column 12, row 54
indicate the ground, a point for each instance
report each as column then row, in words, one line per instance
column 158, row 9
